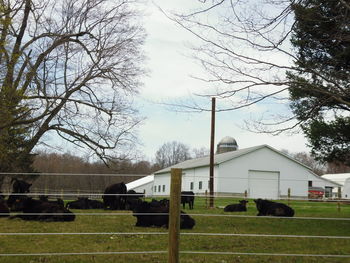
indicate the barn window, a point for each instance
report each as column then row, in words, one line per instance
column 200, row 185
column 163, row 187
column 310, row 183
column 155, row 188
column 191, row 185
column 158, row 188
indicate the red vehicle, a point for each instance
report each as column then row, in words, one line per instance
column 316, row 192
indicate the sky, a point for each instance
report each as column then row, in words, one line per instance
column 169, row 79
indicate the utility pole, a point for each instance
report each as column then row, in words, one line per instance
column 211, row 169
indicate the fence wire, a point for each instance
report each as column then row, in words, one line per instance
column 215, row 196
column 165, row 233
column 164, row 252
column 190, row 214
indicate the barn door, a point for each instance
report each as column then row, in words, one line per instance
column 263, row 184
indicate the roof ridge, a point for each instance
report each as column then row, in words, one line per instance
column 203, row 161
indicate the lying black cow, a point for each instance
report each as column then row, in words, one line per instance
column 159, row 203
column 4, row 210
column 44, row 211
column 45, row 198
column 158, row 216
column 85, row 203
column 114, row 197
column 270, row 208
column 133, row 199
column 241, row 207
column 20, row 186
column 187, row 197
column 15, row 202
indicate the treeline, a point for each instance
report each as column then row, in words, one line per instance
column 68, row 163
column 318, row 167
column 77, row 175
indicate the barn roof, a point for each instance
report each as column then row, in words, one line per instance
column 221, row 158
column 140, row 182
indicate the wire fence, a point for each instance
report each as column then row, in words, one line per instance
column 98, row 195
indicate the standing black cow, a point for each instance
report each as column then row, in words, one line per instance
column 241, row 207
column 114, row 196
column 270, row 208
column 20, row 186
column 187, row 197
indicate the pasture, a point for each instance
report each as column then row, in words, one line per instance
column 115, row 231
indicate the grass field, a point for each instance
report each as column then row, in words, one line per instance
column 204, row 224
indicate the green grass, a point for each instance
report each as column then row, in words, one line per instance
column 204, row 224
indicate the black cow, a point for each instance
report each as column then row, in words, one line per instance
column 4, row 210
column 85, row 203
column 114, row 196
column 133, row 199
column 270, row 208
column 153, row 213
column 163, row 202
column 45, row 198
column 44, row 211
column 15, row 202
column 241, row 207
column 187, row 197
column 20, row 186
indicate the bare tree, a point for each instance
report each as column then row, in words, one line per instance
column 316, row 166
column 245, row 49
column 200, row 152
column 71, row 68
column 171, row 153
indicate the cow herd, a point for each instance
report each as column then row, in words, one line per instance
column 116, row 197
column 264, row 207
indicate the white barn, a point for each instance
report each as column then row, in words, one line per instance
column 340, row 178
column 346, row 189
column 142, row 185
column 262, row 171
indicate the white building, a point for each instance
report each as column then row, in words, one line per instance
column 262, row 171
column 346, row 189
column 142, row 185
column 340, row 178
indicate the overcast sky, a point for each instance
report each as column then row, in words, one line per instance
column 170, row 78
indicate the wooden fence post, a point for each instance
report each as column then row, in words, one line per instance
column 339, row 192
column 288, row 196
column 339, row 197
column 206, row 199
column 174, row 216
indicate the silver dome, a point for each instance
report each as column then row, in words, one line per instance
column 227, row 144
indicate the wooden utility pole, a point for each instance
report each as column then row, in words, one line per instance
column 211, row 169
column 174, row 216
